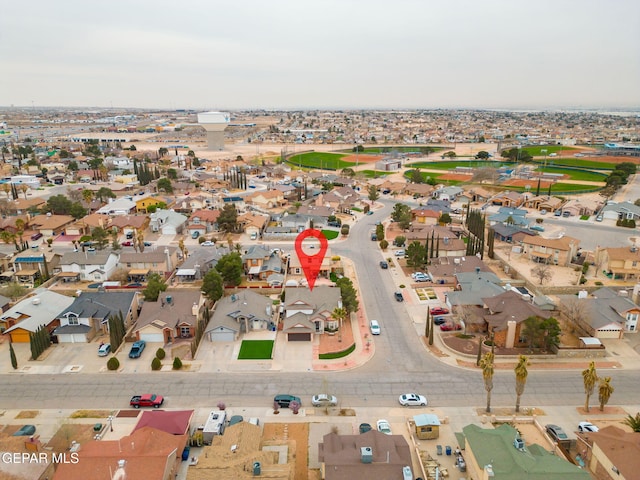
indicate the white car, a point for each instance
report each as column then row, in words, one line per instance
column 399, row 253
column 587, row 427
column 375, row 327
column 412, row 399
column 324, row 400
column 208, row 243
column 383, row 427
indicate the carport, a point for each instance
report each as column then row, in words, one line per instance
column 138, row 274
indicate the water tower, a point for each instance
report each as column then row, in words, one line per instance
column 214, row 123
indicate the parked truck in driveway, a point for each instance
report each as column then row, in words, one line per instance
column 147, row 400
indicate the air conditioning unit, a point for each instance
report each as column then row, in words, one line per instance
column 366, row 454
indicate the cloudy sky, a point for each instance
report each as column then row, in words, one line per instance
column 281, row 54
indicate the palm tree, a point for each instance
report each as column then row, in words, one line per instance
column 590, row 377
column 486, row 363
column 633, row 422
column 521, row 378
column 7, row 237
column 24, row 189
column 87, row 195
column 6, row 188
column 604, row 392
column 339, row 313
column 20, row 224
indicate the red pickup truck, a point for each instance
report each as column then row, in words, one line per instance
column 147, row 400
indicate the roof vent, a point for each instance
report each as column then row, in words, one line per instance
column 366, row 454
column 35, row 301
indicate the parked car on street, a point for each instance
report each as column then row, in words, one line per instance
column 128, row 243
column 587, row 427
column 324, row 400
column 284, row 400
column 383, row 426
column 412, row 399
column 556, row 432
column 439, row 320
column 398, row 296
column 137, row 348
column 384, row 265
column 146, row 400
column 104, row 349
column 374, row 326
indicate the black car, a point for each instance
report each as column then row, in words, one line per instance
column 398, row 296
column 439, row 320
column 384, row 265
column 284, row 400
column 364, row 427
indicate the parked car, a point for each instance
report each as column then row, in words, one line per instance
column 128, row 243
column 537, row 228
column 422, row 278
column 364, row 427
column 416, row 274
column 557, row 213
column 383, row 426
column 284, row 400
column 543, row 212
column 104, row 349
column 587, row 427
column 439, row 311
column 412, row 399
column 146, row 400
column 195, row 234
column 25, row 431
column 235, row 419
column 566, row 214
column 36, row 236
column 556, row 432
column 398, row 296
column 439, row 320
column 375, row 327
column 137, row 348
column 147, row 244
column 384, row 265
column 448, row 327
column 324, row 400
column 399, row 253
column 599, row 218
column 208, row 243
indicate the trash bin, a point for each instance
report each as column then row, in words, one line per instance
column 448, row 449
column 439, row 449
column 256, row 468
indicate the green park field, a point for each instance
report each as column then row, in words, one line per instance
column 321, row 160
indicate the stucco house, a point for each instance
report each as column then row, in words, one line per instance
column 96, row 266
column 238, row 314
column 308, row 312
column 167, row 222
column 556, row 251
column 173, row 316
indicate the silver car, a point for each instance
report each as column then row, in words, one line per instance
column 324, row 400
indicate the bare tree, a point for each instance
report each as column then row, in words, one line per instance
column 574, row 311
column 542, row 272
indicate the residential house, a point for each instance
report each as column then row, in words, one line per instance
column 372, row 454
column 173, row 316
column 191, row 202
column 229, row 456
column 253, row 224
column 5, row 303
column 26, row 316
column 341, row 199
column 447, row 244
column 556, row 251
column 88, row 315
column 491, row 453
column 97, row 266
column 291, row 193
column 266, row 199
column 448, row 194
column 621, row 211
column 22, row 206
column 425, row 216
column 148, row 200
column 198, row 263
column 147, row 453
column 510, row 233
column 238, row 314
column 505, row 317
column 308, row 312
column 443, row 270
column 259, row 263
column 85, row 226
column 50, row 225
column 612, row 453
column 329, row 265
column 318, row 212
column 120, row 206
column 139, row 265
column 8, row 224
column 620, row 262
column 125, row 224
column 508, row 199
column 467, row 301
column 509, row 216
column 167, row 222
column 544, row 202
column 33, row 265
column 203, row 221
column 582, row 206
column 390, row 186
column 604, row 314
column 418, row 190
column 475, row 195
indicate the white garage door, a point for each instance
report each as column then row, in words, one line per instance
column 72, row 338
column 221, row 336
column 152, row 337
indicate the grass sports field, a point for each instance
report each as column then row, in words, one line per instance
column 536, row 151
column 322, row 160
column 451, row 165
column 576, row 174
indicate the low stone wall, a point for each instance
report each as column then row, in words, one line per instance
column 582, row 353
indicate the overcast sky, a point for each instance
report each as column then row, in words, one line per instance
column 279, row 54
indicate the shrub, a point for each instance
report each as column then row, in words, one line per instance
column 344, row 230
column 221, row 405
column 156, row 364
column 599, row 283
column 113, row 363
column 177, row 363
column 402, row 286
column 160, row 354
column 384, row 244
column 295, row 407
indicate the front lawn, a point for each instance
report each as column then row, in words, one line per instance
column 256, row 350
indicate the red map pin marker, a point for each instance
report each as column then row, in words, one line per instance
column 311, row 263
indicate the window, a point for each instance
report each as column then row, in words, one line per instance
column 185, row 332
column 73, row 320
